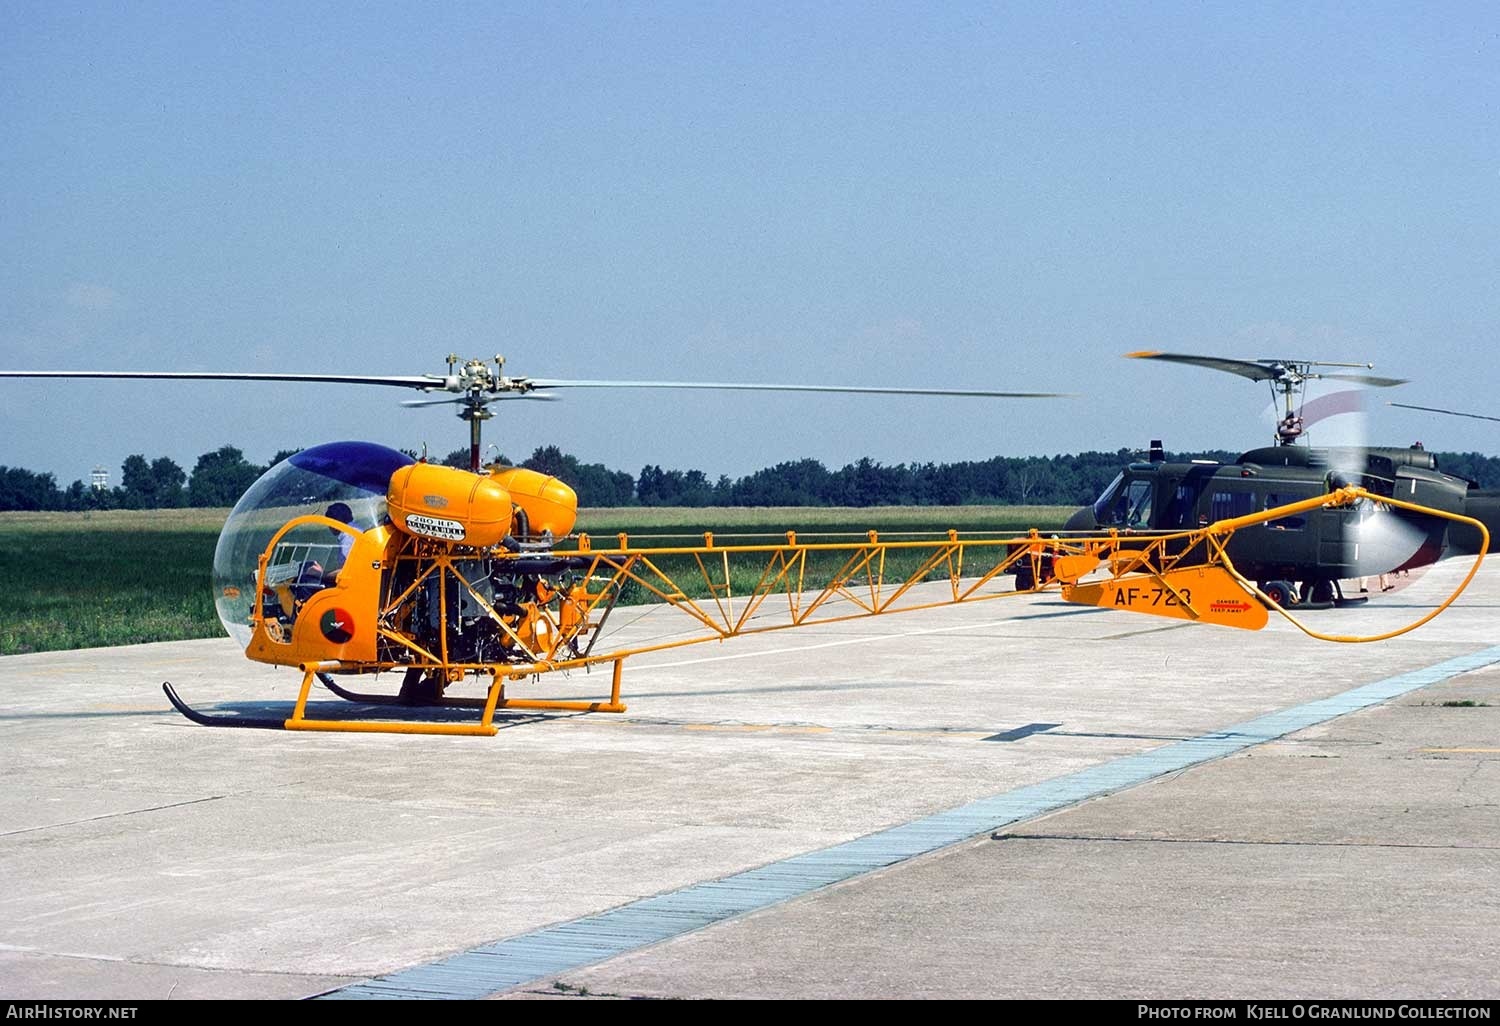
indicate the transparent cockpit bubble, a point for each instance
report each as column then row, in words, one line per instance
column 313, row 482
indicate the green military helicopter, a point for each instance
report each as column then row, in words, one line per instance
column 1300, row 559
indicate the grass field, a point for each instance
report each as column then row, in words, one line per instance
column 80, row 580
column 122, row 577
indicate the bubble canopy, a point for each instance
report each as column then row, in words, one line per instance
column 308, row 483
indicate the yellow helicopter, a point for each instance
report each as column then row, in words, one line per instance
column 351, row 558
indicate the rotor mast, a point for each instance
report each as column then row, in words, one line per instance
column 1290, row 379
column 475, row 379
column 1289, row 383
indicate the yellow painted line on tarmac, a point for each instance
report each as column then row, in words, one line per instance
column 1474, row 751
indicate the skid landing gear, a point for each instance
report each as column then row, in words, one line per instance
column 220, row 719
column 423, row 694
column 1315, row 595
column 1341, row 600
column 1328, row 594
column 1322, row 594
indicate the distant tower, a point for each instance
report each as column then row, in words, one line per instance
column 99, row 479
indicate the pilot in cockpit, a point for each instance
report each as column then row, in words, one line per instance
column 341, row 512
column 311, row 576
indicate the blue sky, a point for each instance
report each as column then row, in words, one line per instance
column 1007, row 196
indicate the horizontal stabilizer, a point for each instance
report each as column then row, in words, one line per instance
column 1205, row 594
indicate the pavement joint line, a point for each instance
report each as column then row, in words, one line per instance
column 1242, row 841
column 115, row 815
column 510, row 963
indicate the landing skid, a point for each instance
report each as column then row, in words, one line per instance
column 220, row 719
column 1342, row 601
column 411, row 697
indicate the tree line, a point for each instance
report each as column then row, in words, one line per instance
column 220, row 477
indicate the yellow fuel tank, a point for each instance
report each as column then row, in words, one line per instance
column 453, row 505
column 549, row 504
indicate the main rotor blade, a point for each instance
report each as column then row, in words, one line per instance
column 1262, row 370
column 1434, row 409
column 522, row 386
column 1244, row 368
column 746, row 387
column 424, row 382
